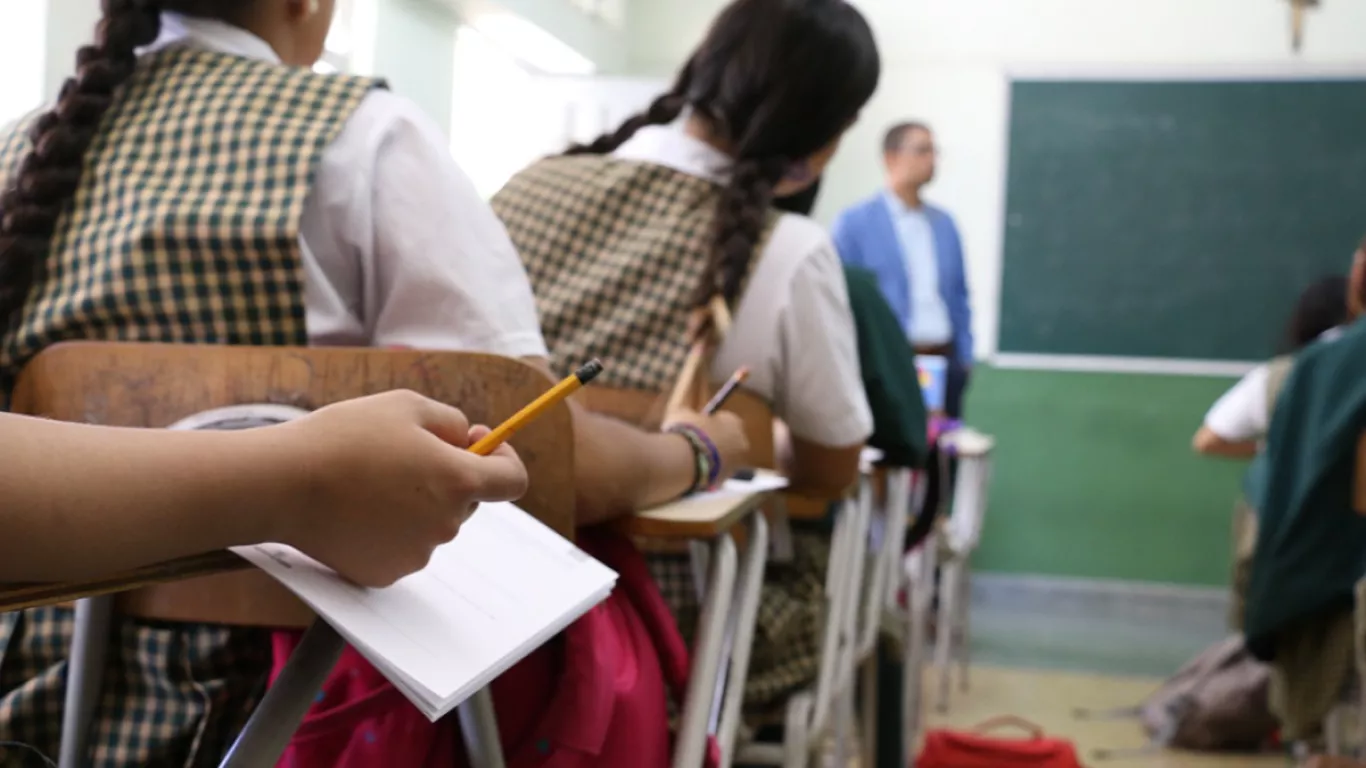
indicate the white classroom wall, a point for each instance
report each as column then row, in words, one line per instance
column 949, row 61
column 410, row 42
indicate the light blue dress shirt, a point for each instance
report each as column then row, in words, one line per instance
column 928, row 323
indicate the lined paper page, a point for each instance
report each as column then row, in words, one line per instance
column 505, row 585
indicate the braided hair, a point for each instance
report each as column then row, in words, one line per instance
column 42, row 188
column 47, row 178
column 774, row 82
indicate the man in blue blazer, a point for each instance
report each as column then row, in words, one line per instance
column 914, row 250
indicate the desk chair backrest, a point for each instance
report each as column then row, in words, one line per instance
column 155, row 385
column 963, row 527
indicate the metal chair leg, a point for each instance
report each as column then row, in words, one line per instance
column 691, row 746
column 729, row 712
column 84, row 673
column 964, row 634
column 274, row 722
column 479, row 725
column 943, row 644
column 869, row 691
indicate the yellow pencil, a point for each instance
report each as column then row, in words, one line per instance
column 557, row 393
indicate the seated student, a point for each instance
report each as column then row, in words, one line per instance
column 886, row 359
column 1311, row 543
column 629, row 238
column 900, row 431
column 1236, row 425
column 146, row 496
column 1237, row 422
column 197, row 182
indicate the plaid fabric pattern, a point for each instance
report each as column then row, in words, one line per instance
column 185, row 229
column 788, row 627
column 615, row 250
column 172, row 695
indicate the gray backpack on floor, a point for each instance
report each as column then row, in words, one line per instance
column 1218, row 702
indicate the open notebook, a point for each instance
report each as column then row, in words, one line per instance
column 505, row 586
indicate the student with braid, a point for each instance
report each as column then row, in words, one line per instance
column 196, row 182
column 628, row 238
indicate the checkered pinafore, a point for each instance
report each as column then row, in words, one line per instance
column 615, row 250
column 185, row 228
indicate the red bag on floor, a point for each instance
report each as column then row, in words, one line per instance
column 975, row 749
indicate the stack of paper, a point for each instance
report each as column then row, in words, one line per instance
column 504, row 587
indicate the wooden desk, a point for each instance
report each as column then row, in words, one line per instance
column 703, row 517
column 15, row 597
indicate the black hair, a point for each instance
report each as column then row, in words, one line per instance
column 801, row 203
column 775, row 81
column 1323, row 305
column 896, row 135
column 36, row 196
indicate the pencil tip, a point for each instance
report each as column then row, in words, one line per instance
column 588, row 371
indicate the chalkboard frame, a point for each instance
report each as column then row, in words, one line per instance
column 1291, row 71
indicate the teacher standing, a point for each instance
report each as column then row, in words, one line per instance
column 917, row 255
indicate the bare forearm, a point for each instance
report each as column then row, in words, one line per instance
column 620, row 469
column 86, row 501
column 1209, row 443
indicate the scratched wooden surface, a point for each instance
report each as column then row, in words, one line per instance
column 154, row 385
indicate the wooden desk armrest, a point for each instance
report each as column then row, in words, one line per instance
column 15, row 597
column 689, row 519
column 806, row 507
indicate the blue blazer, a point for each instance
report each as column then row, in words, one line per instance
column 866, row 237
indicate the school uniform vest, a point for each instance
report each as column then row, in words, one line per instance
column 185, row 228
column 615, row 250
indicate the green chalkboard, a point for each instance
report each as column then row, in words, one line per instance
column 1094, row 477
column 1175, row 219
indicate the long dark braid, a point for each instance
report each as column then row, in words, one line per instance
column 741, row 213
column 50, row 173
column 774, row 82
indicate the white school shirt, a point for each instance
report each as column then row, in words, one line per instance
column 928, row 320
column 398, row 247
column 793, row 326
column 1240, row 414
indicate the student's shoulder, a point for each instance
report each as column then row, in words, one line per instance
column 383, row 112
column 797, row 242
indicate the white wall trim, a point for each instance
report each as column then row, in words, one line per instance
column 1051, row 593
column 1187, row 72
column 1104, row 364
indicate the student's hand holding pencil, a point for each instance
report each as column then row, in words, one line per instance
column 388, row 479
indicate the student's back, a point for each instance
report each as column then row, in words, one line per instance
column 628, row 238
column 621, row 281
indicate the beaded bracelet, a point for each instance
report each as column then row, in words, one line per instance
column 707, row 455
column 700, row 461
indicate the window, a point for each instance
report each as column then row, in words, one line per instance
column 23, row 48
column 489, row 122
column 498, row 110
column 338, row 49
